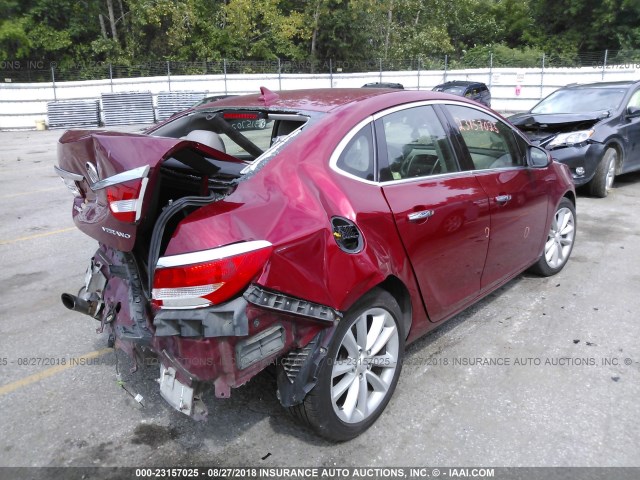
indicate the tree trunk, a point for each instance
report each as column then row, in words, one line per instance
column 389, row 20
column 103, row 27
column 112, row 20
column 314, row 36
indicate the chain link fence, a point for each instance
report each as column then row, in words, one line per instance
column 33, row 71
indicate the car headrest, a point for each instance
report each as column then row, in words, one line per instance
column 206, row 137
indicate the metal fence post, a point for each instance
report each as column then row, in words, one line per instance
column 53, row 83
column 418, row 73
column 490, row 70
column 542, row 76
column 446, row 60
column 279, row 74
column 604, row 63
column 380, row 70
column 224, row 66
column 331, row 72
column 169, row 75
column 111, row 76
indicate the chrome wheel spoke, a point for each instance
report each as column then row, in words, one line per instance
column 551, row 250
column 363, row 397
column 377, row 383
column 567, row 230
column 564, row 241
column 382, row 339
column 342, row 386
column 351, row 401
column 350, row 344
column 341, row 367
column 361, row 332
column 563, row 220
column 385, row 361
column 377, row 324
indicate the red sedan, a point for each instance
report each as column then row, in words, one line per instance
column 317, row 230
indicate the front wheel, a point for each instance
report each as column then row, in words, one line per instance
column 602, row 181
column 560, row 239
column 360, row 371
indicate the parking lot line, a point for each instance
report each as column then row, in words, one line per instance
column 36, row 377
column 38, row 235
column 30, row 192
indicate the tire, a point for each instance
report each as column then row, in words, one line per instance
column 336, row 408
column 560, row 240
column 602, row 181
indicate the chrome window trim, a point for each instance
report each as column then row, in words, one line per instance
column 288, row 116
column 212, row 254
column 398, row 108
column 134, row 174
column 441, row 176
column 423, row 103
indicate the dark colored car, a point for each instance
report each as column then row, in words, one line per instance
column 477, row 91
column 397, row 86
column 354, row 223
column 210, row 99
column 592, row 128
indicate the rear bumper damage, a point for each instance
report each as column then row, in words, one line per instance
column 223, row 346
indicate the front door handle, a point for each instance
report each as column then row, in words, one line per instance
column 503, row 198
column 417, row 216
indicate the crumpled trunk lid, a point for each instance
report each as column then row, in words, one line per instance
column 115, row 178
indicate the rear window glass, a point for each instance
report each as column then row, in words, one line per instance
column 245, row 134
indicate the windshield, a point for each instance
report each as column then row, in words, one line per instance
column 455, row 90
column 582, row 100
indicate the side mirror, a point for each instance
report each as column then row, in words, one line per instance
column 633, row 112
column 539, row 157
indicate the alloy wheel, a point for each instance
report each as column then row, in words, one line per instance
column 560, row 239
column 364, row 366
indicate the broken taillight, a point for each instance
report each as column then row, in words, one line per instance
column 125, row 193
column 125, row 199
column 207, row 277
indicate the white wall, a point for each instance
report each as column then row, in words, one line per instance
column 22, row 104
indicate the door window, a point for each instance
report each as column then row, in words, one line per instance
column 414, row 144
column 491, row 143
column 634, row 101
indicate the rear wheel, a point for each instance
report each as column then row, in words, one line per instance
column 360, row 371
column 602, row 181
column 560, row 238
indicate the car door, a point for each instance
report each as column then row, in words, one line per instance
column 441, row 212
column 518, row 194
column 630, row 131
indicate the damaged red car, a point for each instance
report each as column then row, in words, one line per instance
column 317, row 230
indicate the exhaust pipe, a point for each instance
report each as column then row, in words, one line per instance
column 75, row 303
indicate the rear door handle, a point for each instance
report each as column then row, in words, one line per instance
column 417, row 216
column 503, row 198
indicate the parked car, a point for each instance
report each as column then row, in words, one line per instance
column 593, row 128
column 398, row 86
column 477, row 91
column 210, row 99
column 356, row 222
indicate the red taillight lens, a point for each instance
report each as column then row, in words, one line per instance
column 125, row 199
column 230, row 269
